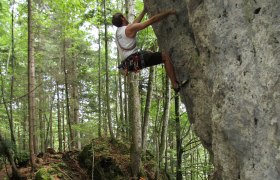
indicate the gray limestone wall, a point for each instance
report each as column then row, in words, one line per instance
column 229, row 51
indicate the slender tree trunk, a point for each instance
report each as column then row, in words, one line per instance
column 147, row 109
column 205, row 164
column 31, row 86
column 122, row 123
column 165, row 160
column 58, row 119
column 171, row 139
column 51, row 123
column 126, row 88
column 47, row 132
column 75, row 103
column 179, row 175
column 165, row 118
column 197, row 162
column 63, row 121
column 156, row 135
column 12, row 81
column 117, row 104
column 157, row 154
column 127, row 128
column 41, row 119
column 135, row 121
column 109, row 116
column 192, row 161
column 25, row 129
column 134, row 110
column 67, row 96
column 99, row 84
column 130, row 10
column 19, row 137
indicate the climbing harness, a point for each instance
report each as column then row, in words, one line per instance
column 133, row 63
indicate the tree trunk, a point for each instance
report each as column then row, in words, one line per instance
column 147, row 109
column 171, row 141
column 25, row 129
column 127, row 128
column 99, row 84
column 59, row 133
column 11, row 120
column 117, row 104
column 122, row 120
column 156, row 140
column 157, row 132
column 135, row 121
column 63, row 121
column 179, row 174
column 109, row 114
column 68, row 117
column 75, row 103
column 157, row 156
column 51, row 123
column 192, row 163
column 134, row 109
column 31, row 87
column 165, row 119
column 40, row 113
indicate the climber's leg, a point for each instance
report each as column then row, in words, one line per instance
column 154, row 58
column 170, row 70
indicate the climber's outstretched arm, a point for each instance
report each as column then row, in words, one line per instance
column 133, row 28
column 140, row 17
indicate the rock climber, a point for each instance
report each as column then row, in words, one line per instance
column 133, row 59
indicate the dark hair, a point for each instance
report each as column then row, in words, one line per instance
column 117, row 19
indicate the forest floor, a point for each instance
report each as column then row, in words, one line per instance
column 111, row 161
column 51, row 166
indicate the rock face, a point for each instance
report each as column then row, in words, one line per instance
column 229, row 52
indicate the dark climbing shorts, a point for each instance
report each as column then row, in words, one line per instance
column 152, row 58
column 140, row 60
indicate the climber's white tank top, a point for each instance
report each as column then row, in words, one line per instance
column 126, row 45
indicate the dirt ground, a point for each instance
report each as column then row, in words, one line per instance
column 50, row 166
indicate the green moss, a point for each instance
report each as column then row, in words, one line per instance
column 85, row 156
column 43, row 174
column 61, row 164
column 60, row 175
column 22, row 158
column 51, row 171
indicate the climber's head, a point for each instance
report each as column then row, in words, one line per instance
column 119, row 20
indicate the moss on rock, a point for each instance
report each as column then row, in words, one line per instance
column 43, row 174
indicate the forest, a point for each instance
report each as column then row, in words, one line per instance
column 63, row 101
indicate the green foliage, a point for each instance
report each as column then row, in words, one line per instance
column 85, row 157
column 6, row 144
column 111, row 158
column 22, row 158
column 43, row 174
column 61, row 165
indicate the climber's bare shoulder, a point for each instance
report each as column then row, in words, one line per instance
column 133, row 28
